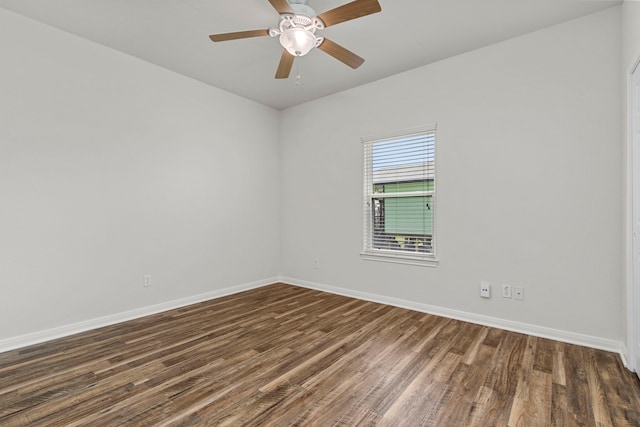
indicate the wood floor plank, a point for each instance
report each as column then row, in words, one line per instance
column 559, row 415
column 460, row 409
column 596, row 392
column 579, row 405
column 558, row 373
column 282, row 355
column 488, row 409
column 621, row 400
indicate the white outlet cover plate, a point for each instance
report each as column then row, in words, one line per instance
column 485, row 290
column 506, row 291
column 518, row 293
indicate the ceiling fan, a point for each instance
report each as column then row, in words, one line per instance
column 297, row 31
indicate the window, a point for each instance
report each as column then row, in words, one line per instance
column 399, row 197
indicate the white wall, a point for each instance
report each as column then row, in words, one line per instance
column 630, row 33
column 112, row 168
column 529, row 159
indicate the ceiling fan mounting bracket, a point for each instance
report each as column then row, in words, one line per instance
column 302, row 9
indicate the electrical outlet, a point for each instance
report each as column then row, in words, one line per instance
column 506, row 291
column 146, row 280
column 316, row 264
column 485, row 290
column 518, row 293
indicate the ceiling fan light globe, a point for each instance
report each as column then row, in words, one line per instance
column 298, row 41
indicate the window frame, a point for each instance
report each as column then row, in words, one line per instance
column 371, row 253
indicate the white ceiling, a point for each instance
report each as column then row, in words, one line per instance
column 406, row 34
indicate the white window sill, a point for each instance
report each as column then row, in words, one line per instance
column 400, row 258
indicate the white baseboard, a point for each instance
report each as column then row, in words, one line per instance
column 66, row 330
column 525, row 328
column 624, row 352
column 509, row 325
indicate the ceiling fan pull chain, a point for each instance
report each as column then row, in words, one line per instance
column 298, row 76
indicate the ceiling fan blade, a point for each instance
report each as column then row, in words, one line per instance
column 281, row 6
column 284, row 68
column 349, row 11
column 238, row 35
column 340, row 53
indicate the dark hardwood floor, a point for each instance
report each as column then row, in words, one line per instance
column 282, row 355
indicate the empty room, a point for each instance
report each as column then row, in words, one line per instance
column 318, row 213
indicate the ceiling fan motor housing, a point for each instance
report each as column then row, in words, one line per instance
column 297, row 31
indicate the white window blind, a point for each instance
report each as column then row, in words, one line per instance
column 399, row 197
